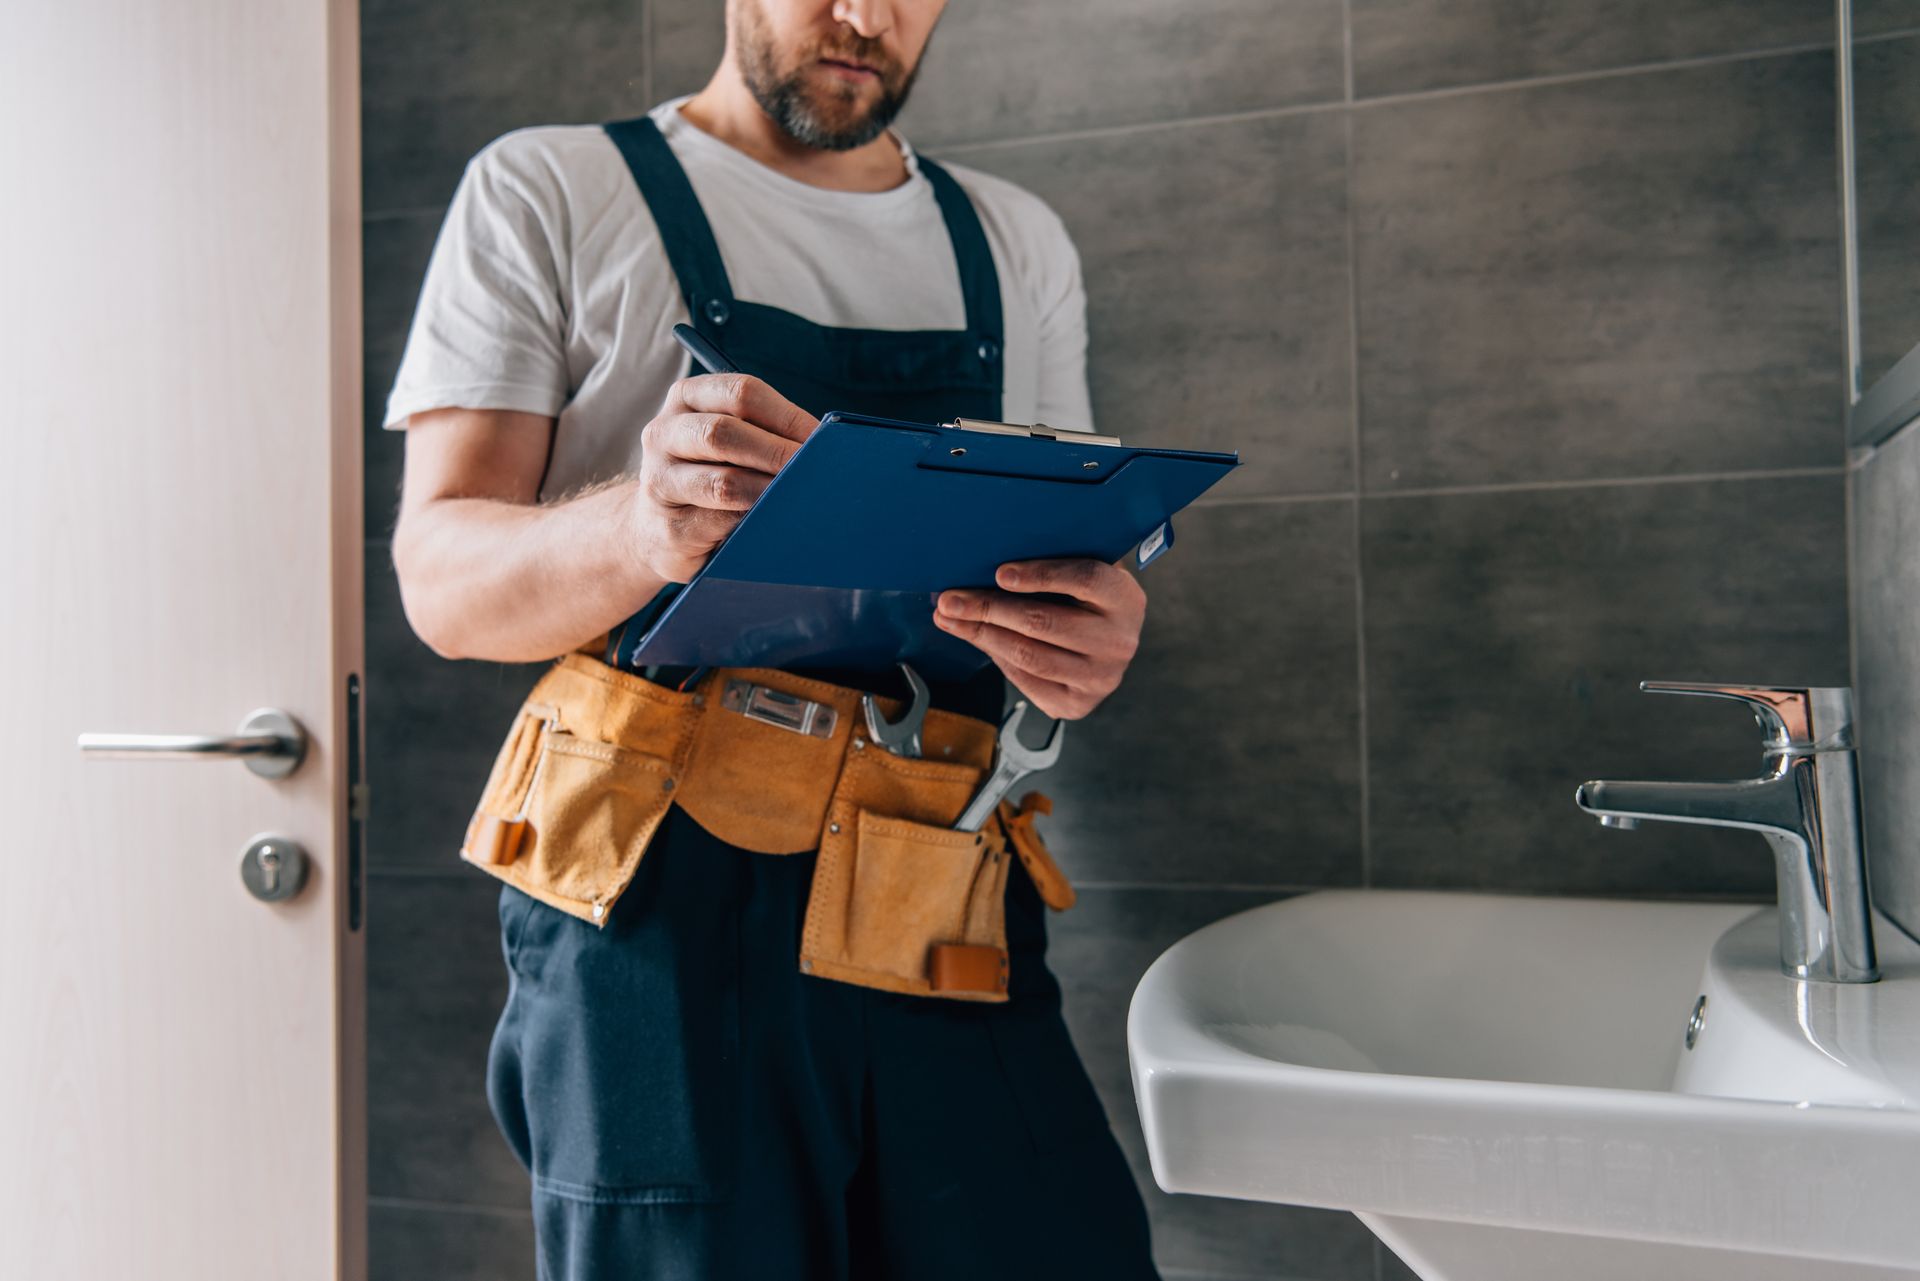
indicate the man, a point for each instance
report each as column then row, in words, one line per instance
column 688, row 1100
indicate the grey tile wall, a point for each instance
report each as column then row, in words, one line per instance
column 1506, row 637
column 1886, row 533
column 1624, row 276
column 1886, row 112
column 438, row 80
column 1402, row 46
column 436, row 981
column 432, row 730
column 394, row 253
column 448, row 1243
column 1231, row 332
column 1225, row 759
column 1010, row 68
column 1530, row 306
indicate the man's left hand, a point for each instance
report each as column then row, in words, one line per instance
column 1065, row 656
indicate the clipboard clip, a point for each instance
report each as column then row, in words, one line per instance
column 1036, row 429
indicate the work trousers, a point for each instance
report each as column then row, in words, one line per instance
column 690, row 1105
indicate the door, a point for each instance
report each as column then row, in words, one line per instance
column 180, row 1061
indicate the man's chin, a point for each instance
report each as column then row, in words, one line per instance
column 842, row 115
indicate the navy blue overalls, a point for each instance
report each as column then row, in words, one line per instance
column 688, row 1103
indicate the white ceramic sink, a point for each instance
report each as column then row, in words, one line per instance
column 1500, row 1086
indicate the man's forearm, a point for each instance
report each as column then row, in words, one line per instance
column 512, row 582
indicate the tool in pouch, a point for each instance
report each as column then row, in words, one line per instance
column 1012, row 761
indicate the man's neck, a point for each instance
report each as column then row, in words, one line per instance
column 727, row 110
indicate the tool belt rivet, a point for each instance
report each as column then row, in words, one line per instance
column 834, row 828
column 859, row 744
column 806, row 967
column 666, row 785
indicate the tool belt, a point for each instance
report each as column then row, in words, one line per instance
column 776, row 764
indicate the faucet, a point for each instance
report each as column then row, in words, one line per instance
column 1807, row 805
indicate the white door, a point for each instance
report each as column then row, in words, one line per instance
column 180, row 1062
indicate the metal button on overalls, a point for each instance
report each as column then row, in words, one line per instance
column 687, row 1101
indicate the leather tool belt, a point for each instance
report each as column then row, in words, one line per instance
column 776, row 764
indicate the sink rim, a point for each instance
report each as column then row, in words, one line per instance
column 1451, row 1148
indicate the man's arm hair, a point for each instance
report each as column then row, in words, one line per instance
column 489, row 571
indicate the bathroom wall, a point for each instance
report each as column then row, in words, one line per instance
column 1885, row 481
column 1526, row 321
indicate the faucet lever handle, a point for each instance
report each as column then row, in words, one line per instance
column 1797, row 720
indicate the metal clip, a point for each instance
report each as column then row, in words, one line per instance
column 788, row 711
column 1037, row 429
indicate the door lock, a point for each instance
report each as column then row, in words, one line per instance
column 273, row 868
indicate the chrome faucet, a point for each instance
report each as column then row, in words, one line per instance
column 1807, row 805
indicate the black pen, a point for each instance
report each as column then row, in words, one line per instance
column 705, row 353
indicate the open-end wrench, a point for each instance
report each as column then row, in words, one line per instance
column 901, row 737
column 1012, row 761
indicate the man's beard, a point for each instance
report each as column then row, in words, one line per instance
column 830, row 119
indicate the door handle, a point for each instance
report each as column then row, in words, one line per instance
column 271, row 743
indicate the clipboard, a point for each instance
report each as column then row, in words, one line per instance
column 838, row 562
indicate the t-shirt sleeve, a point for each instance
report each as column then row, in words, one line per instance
column 489, row 331
column 1063, row 398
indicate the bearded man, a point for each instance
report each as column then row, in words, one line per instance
column 713, row 1062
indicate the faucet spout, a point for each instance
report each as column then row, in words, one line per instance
column 1807, row 806
column 1760, row 804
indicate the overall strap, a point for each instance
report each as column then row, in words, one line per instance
column 978, row 279
column 684, row 229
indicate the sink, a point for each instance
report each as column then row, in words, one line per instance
column 1500, row 1087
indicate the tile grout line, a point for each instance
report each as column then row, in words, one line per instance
column 1849, row 510
column 1608, row 482
column 1207, row 887
column 647, row 52
column 1523, row 486
column 1275, row 500
column 1364, row 748
column 1094, row 132
column 397, row 215
column 1599, row 73
column 1882, row 37
column 420, row 871
column 1346, row 48
column 1515, row 891
column 447, row 1207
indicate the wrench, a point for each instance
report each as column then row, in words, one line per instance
column 1012, row 761
column 901, row 737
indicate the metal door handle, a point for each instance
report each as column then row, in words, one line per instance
column 271, row 743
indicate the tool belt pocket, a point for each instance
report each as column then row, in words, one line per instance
column 901, row 901
column 566, row 818
column 908, row 907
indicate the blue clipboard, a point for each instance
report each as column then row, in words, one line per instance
column 838, row 562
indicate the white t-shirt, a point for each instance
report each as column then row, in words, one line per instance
column 549, row 289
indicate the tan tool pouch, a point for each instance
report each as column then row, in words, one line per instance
column 899, row 901
column 587, row 771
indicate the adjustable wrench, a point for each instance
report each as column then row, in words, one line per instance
column 1012, row 761
column 901, row 737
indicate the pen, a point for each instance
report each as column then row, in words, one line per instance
column 710, row 357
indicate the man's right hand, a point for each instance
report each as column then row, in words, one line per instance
column 704, row 460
